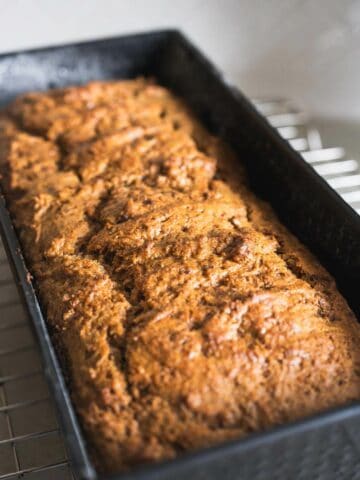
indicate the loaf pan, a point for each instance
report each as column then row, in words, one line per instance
column 324, row 446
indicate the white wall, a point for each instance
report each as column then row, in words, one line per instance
column 308, row 50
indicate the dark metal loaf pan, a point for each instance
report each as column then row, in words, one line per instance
column 322, row 447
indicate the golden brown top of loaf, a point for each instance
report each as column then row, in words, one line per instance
column 184, row 312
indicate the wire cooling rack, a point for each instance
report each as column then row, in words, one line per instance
column 30, row 442
column 31, row 446
column 342, row 173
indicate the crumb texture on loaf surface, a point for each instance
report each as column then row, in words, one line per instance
column 185, row 313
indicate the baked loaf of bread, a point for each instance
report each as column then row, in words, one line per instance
column 185, row 314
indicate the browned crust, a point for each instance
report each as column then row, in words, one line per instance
column 187, row 314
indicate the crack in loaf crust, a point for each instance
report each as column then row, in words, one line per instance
column 185, row 312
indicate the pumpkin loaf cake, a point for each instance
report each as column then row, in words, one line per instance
column 184, row 313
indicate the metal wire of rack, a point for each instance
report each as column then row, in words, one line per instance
column 31, row 445
column 342, row 173
column 30, row 441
